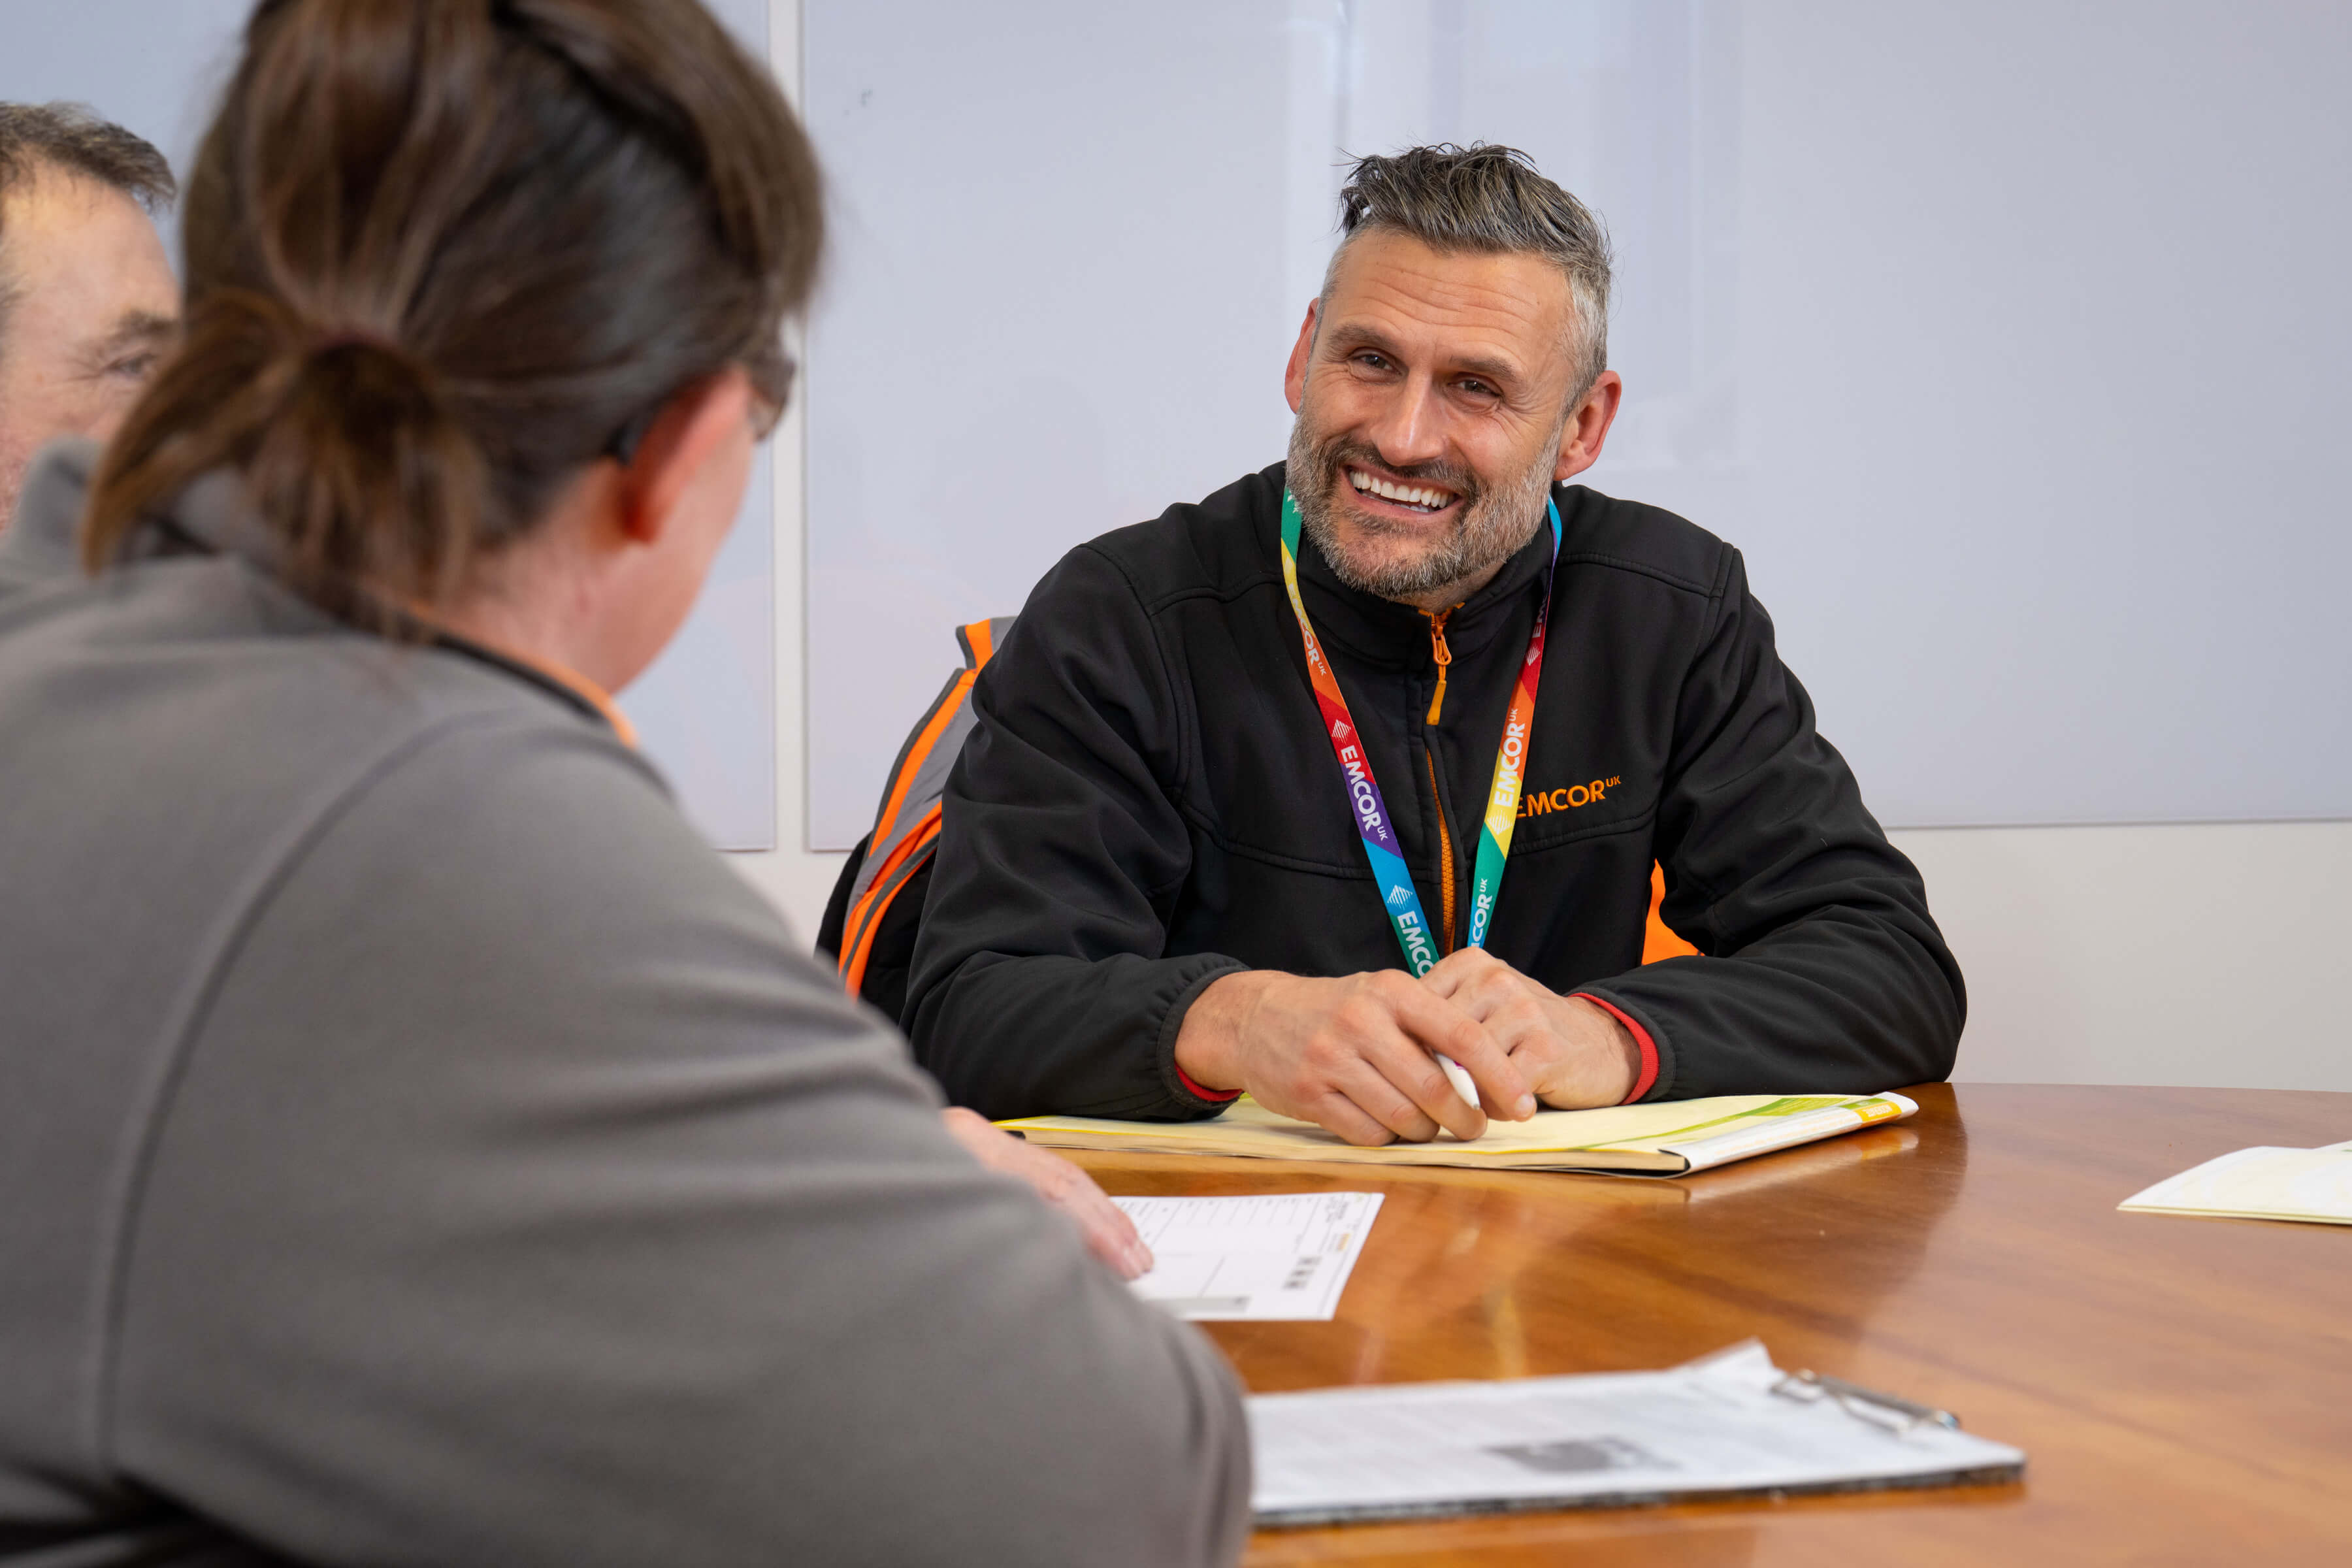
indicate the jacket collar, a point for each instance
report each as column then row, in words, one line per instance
column 41, row 546
column 1385, row 632
column 38, row 546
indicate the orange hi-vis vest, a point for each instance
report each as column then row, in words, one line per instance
column 907, row 828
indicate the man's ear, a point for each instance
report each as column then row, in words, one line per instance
column 1580, row 439
column 689, row 431
column 1293, row 380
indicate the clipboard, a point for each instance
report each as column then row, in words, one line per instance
column 1728, row 1425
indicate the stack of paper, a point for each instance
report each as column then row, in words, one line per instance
column 1730, row 1425
column 2314, row 1184
column 1671, row 1138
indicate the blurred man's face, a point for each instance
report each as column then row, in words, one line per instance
column 94, row 307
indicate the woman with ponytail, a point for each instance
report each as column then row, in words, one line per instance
column 418, row 1147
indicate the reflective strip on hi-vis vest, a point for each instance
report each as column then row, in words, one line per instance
column 907, row 828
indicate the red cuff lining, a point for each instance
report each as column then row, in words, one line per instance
column 1649, row 1074
column 1225, row 1095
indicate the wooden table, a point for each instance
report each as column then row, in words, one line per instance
column 2182, row 1386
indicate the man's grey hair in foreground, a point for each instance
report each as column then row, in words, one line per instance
column 1488, row 200
column 67, row 139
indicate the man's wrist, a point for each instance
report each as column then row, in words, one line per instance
column 1208, row 1042
column 1641, row 1053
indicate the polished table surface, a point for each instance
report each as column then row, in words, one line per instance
column 2182, row 1387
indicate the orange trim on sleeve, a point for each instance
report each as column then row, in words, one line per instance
column 1649, row 1073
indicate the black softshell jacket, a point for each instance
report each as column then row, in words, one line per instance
column 1149, row 801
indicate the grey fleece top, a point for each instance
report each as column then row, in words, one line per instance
column 416, row 1147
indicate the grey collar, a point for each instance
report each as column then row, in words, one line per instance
column 38, row 546
column 42, row 546
column 214, row 514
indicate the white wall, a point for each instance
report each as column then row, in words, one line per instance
column 2207, row 955
column 794, row 877
column 1911, row 302
column 2197, row 954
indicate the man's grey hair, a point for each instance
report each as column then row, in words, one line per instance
column 68, row 138
column 1489, row 200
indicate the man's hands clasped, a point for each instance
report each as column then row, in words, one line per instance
column 1354, row 1055
column 1351, row 1054
column 1573, row 1053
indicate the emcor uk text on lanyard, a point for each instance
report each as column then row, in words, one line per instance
column 1380, row 847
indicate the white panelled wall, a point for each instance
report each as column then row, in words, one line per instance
column 2196, row 954
column 795, row 878
column 2205, row 954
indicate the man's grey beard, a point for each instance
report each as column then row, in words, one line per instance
column 1494, row 524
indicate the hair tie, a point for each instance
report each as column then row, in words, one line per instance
column 355, row 337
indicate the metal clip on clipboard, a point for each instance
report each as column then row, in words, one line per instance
column 1864, row 1403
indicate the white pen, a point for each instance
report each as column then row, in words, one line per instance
column 1459, row 1077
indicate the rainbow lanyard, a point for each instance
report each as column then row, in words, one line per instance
column 1380, row 847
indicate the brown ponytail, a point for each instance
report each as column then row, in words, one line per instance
column 440, row 252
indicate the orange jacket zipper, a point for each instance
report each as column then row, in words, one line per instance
column 1444, row 658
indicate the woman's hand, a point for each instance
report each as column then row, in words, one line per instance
column 1109, row 1234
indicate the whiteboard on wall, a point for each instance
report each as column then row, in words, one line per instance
column 706, row 711
column 2008, row 341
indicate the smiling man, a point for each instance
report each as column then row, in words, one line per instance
column 1367, row 759
column 87, row 302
